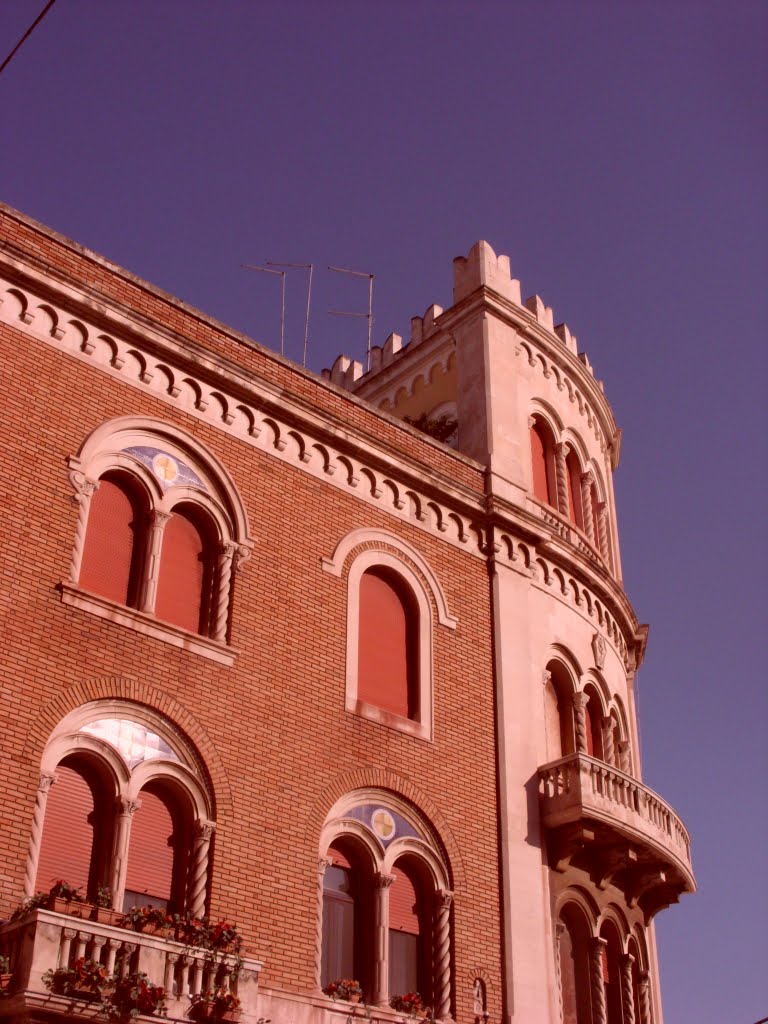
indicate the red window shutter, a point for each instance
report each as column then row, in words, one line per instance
column 185, row 566
column 109, row 555
column 150, row 856
column 386, row 656
column 539, row 462
column 67, row 844
column 403, row 915
column 574, row 490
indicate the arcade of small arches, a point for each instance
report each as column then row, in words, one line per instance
column 565, row 482
column 582, row 719
column 385, row 901
column 602, row 963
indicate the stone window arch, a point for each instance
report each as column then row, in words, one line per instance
column 123, row 771
column 391, row 592
column 399, row 881
column 543, row 446
column 161, row 528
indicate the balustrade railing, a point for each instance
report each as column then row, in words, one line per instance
column 44, row 940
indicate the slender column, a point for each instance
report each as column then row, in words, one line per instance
column 580, row 721
column 625, row 762
column 125, row 810
column 35, row 836
column 196, row 979
column 602, row 530
column 596, row 985
column 561, row 476
column 109, row 963
column 559, row 932
column 169, row 976
column 223, row 587
column 586, row 505
column 381, row 939
column 322, row 864
column 158, row 520
column 99, row 941
column 198, row 879
column 442, row 954
column 67, row 935
column 644, row 992
column 627, row 995
column 608, row 745
column 84, row 489
column 80, row 940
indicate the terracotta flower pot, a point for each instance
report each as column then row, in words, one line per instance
column 105, row 915
column 5, row 982
column 153, row 928
column 354, row 998
column 71, row 907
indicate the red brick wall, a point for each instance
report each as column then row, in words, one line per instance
column 272, row 730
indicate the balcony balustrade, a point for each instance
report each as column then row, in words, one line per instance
column 600, row 818
column 44, row 940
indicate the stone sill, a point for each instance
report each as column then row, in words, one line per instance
column 147, row 625
column 380, row 716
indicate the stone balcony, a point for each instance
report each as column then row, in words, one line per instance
column 598, row 818
column 44, row 940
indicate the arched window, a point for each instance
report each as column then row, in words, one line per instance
column 383, row 877
column 573, row 951
column 123, row 796
column 594, row 725
column 388, row 643
column 573, row 478
column 161, row 530
column 558, row 711
column 612, row 979
column 391, row 593
column 116, row 539
column 543, row 462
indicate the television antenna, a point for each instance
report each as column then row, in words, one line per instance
column 281, row 273
column 368, row 316
column 300, row 266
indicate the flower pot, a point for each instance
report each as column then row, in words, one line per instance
column 105, row 915
column 5, row 982
column 208, row 1011
column 153, row 928
column 71, row 907
column 355, row 998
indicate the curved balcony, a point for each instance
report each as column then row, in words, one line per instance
column 623, row 833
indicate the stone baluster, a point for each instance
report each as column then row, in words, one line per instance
column 109, row 961
column 644, row 998
column 322, row 864
column 169, row 975
column 196, row 977
column 586, row 505
column 223, row 587
column 624, row 759
column 608, row 745
column 84, row 489
column 67, row 935
column 627, row 994
column 561, row 476
column 98, row 943
column 596, row 983
column 126, row 958
column 442, row 954
column 198, row 879
column 124, row 817
column 580, row 721
column 81, row 940
column 602, row 530
column 148, row 595
column 382, row 884
column 33, row 852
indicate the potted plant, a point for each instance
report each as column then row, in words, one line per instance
column 192, row 931
column 40, row 899
column 410, row 1004
column 135, row 996
column 149, row 920
column 346, row 989
column 103, row 912
column 215, row 1006
column 84, row 979
column 224, row 937
column 64, row 898
column 5, row 975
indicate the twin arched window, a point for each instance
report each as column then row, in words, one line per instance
column 160, row 530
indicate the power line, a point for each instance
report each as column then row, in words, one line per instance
column 26, row 35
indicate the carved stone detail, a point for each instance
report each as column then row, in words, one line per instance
column 596, row 985
column 44, row 783
column 598, row 649
column 442, row 954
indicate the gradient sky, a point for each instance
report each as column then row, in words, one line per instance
column 618, row 153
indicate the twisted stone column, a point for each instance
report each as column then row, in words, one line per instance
column 124, row 812
column 559, row 933
column 382, row 884
column 580, row 721
column 322, row 864
column 608, row 745
column 198, row 879
column 561, row 476
column 148, row 597
column 223, row 587
column 644, row 993
column 586, row 505
column 36, row 834
column 84, row 489
column 627, row 995
column 602, row 530
column 442, row 954
column 596, row 984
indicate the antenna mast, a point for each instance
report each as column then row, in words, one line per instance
column 300, row 266
column 368, row 315
column 266, row 270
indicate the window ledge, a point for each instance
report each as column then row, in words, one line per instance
column 147, row 624
column 410, row 726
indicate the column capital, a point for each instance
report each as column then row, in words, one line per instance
column 125, row 807
column 588, row 477
column 159, row 518
column 382, row 881
column 45, row 782
column 204, row 829
column 546, row 677
column 579, row 699
column 322, row 864
column 443, row 899
column 597, row 942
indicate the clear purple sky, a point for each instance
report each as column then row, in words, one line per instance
column 618, row 152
